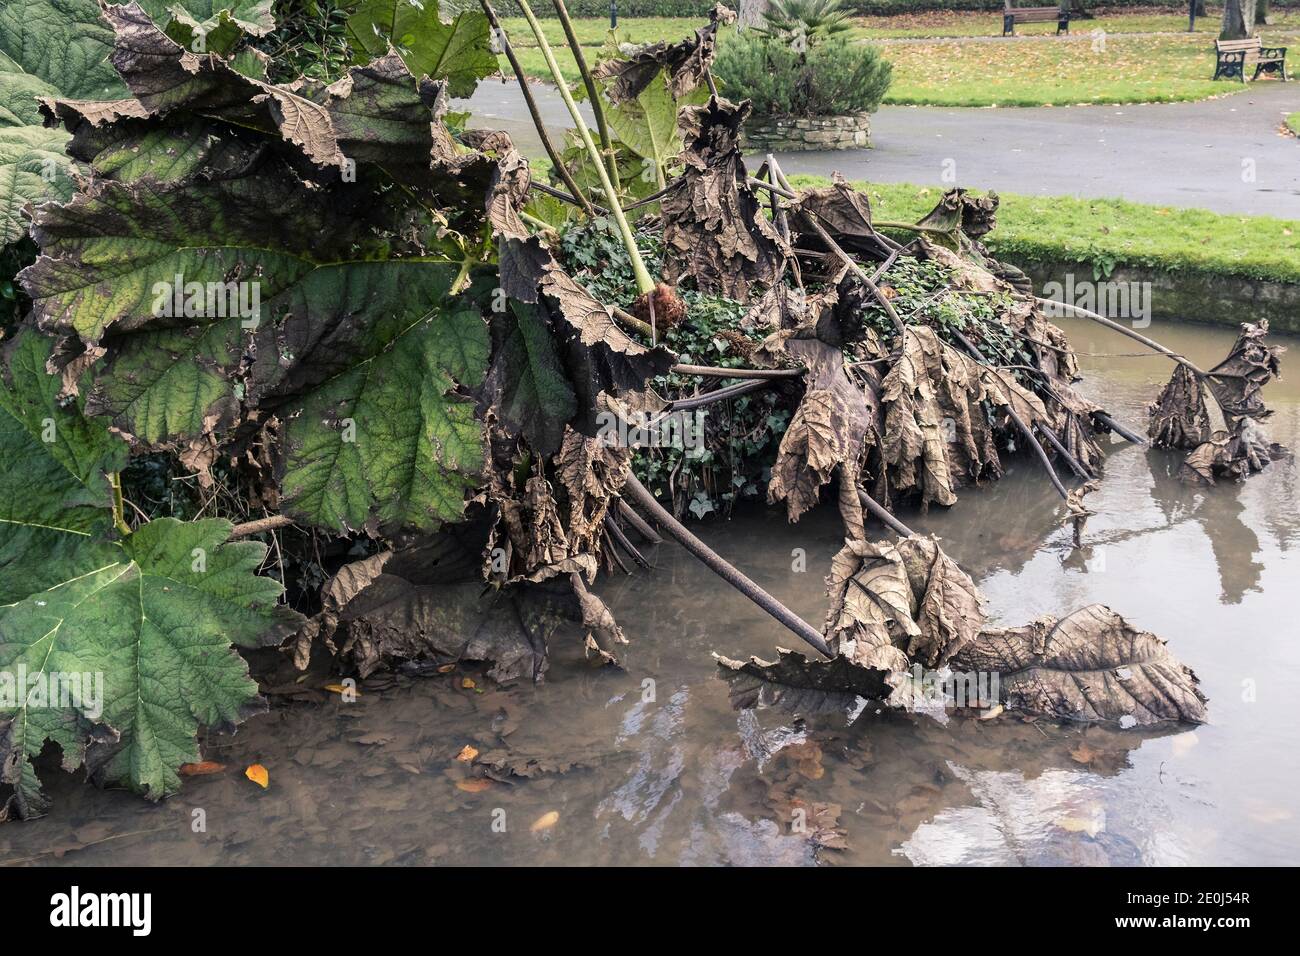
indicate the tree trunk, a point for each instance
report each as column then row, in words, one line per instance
column 1200, row 8
column 1261, row 12
column 1238, row 20
column 750, row 13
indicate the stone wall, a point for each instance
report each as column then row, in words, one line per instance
column 777, row 134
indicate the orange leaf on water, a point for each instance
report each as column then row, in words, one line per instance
column 467, row 683
column 467, row 753
column 201, row 769
column 474, row 784
column 259, row 775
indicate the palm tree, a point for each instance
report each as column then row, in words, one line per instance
column 812, row 20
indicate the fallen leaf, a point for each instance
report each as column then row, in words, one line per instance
column 545, row 821
column 259, row 775
column 446, row 668
column 201, row 769
column 1084, row 754
column 467, row 683
column 339, row 689
column 467, row 753
column 474, row 784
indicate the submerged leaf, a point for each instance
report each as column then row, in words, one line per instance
column 1090, row 665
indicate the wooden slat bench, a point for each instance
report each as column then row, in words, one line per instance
column 1233, row 56
column 1013, row 15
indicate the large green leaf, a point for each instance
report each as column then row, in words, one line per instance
column 150, row 620
column 647, row 123
column 33, row 168
column 459, row 52
column 54, row 463
column 64, row 43
column 527, row 380
column 146, row 622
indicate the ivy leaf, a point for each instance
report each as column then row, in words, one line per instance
column 459, row 52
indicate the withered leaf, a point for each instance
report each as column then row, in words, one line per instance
column 1091, row 665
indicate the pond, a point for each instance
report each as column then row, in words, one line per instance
column 653, row 765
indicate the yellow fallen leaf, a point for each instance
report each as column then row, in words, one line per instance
column 545, row 821
column 467, row 753
column 201, row 769
column 474, row 784
column 446, row 668
column 467, row 683
column 339, row 689
column 994, row 711
column 259, row 775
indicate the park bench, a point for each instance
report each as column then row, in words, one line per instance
column 1013, row 15
column 1232, row 57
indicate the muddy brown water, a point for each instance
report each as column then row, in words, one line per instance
column 686, row 779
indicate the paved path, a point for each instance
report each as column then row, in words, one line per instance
column 1177, row 154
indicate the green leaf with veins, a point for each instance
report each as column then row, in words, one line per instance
column 64, row 43
column 33, row 168
column 647, row 125
column 54, row 463
column 154, row 613
column 459, row 52
column 528, row 380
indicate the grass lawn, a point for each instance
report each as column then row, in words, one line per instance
column 1293, row 123
column 950, row 23
column 1093, row 230
column 1038, row 71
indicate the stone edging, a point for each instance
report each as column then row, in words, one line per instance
column 774, row 134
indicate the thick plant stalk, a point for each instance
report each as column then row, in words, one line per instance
column 884, row 517
column 617, row 534
column 1111, row 324
column 637, row 492
column 835, row 247
column 558, row 164
column 597, row 109
column 635, row 520
column 645, row 284
column 712, row 371
column 1120, row 430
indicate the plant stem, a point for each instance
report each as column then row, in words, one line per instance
column 636, row 492
column 645, row 285
column 556, row 162
column 597, row 109
column 119, row 508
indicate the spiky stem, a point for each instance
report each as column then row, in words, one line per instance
column 645, row 285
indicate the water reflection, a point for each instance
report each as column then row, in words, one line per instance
column 653, row 765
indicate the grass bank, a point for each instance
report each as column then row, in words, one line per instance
column 1293, row 123
column 1109, row 233
column 975, row 67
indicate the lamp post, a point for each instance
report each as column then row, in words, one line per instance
column 613, row 14
column 1191, row 16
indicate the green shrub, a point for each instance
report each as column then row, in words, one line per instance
column 832, row 77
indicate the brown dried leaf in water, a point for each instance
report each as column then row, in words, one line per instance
column 870, row 617
column 592, row 473
column 1092, row 665
column 948, row 605
column 1216, row 420
column 715, row 231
